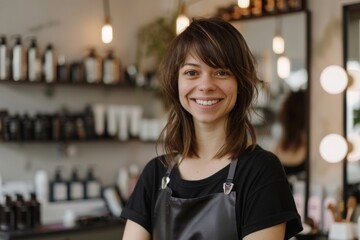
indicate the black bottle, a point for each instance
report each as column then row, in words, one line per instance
column 27, row 128
column 4, row 58
column 33, row 62
column 34, row 211
column 76, row 186
column 3, row 115
column 15, row 128
column 89, row 123
column 5, row 125
column 8, row 215
column 21, row 213
column 58, row 188
column 18, row 61
column 92, row 185
column 62, row 72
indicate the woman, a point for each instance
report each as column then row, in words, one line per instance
column 213, row 182
column 292, row 149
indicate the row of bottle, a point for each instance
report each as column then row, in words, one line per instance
column 20, row 214
column 75, row 188
column 260, row 7
column 44, row 127
column 21, row 63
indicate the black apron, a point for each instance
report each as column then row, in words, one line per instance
column 211, row 217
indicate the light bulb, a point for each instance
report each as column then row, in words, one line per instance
column 334, row 79
column 107, row 33
column 283, row 67
column 243, row 3
column 278, row 44
column 333, row 148
column 182, row 22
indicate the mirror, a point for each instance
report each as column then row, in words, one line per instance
column 351, row 40
column 282, row 107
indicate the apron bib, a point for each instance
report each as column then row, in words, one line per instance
column 210, row 217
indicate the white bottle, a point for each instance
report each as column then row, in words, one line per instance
column 111, row 69
column 34, row 62
column 92, row 65
column 41, row 186
column 4, row 74
column 49, row 64
column 18, row 61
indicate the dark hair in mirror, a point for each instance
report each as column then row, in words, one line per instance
column 293, row 117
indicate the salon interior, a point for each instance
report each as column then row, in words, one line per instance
column 81, row 110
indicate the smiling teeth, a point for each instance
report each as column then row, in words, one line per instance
column 207, row 103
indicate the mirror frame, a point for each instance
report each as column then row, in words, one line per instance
column 345, row 20
column 307, row 103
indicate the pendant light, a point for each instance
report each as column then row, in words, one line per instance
column 283, row 66
column 243, row 3
column 182, row 21
column 278, row 42
column 107, row 30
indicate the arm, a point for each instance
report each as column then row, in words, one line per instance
column 135, row 231
column 276, row 232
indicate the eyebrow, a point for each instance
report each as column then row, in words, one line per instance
column 191, row 64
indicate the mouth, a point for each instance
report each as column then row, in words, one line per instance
column 207, row 102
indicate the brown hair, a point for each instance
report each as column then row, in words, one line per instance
column 219, row 45
column 292, row 117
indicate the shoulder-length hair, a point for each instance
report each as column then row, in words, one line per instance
column 220, row 45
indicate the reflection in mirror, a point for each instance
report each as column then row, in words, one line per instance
column 351, row 17
column 279, row 86
column 281, row 118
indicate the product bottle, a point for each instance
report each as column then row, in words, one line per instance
column 14, row 128
column 75, row 186
column 27, row 128
column 49, row 65
column 269, row 6
column 21, row 213
column 92, row 185
column 58, row 188
column 33, row 62
column 62, row 70
column 92, row 64
column 34, row 211
column 4, row 71
column 111, row 69
column 256, row 7
column 8, row 215
column 18, row 61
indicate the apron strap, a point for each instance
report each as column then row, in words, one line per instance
column 228, row 185
column 166, row 179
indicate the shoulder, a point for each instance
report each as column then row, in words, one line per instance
column 155, row 167
column 258, row 162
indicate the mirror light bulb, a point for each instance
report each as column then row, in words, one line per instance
column 283, row 67
column 334, row 79
column 107, row 33
column 278, row 44
column 243, row 3
column 182, row 22
column 333, row 148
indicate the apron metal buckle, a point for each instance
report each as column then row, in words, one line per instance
column 227, row 188
column 164, row 182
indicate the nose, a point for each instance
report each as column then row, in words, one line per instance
column 206, row 84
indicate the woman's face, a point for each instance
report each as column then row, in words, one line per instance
column 207, row 93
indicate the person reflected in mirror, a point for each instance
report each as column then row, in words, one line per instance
column 213, row 181
column 291, row 148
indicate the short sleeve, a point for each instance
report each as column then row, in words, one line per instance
column 139, row 207
column 270, row 201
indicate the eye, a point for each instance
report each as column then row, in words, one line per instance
column 223, row 73
column 190, row 73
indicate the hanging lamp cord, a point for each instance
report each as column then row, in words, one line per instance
column 107, row 10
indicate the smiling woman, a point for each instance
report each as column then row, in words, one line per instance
column 212, row 181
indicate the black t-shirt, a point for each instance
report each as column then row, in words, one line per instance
column 263, row 197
